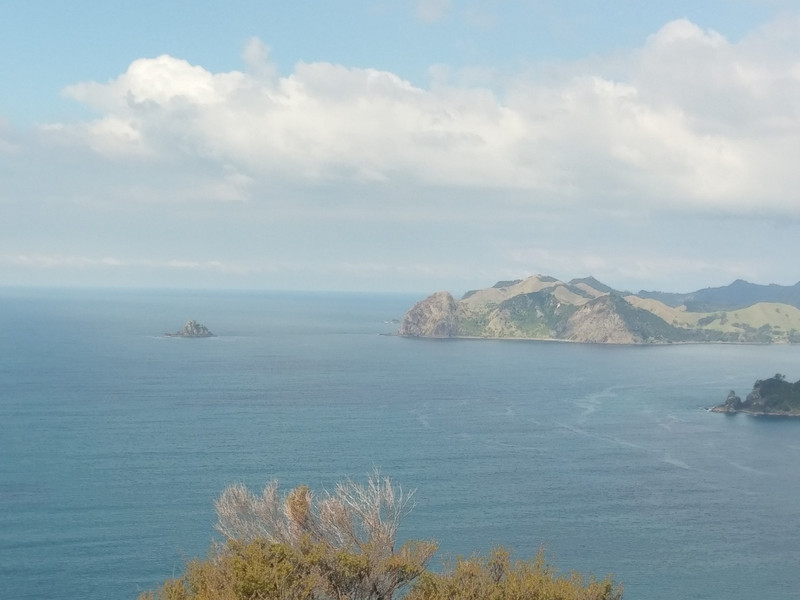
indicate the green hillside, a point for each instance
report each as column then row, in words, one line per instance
column 586, row 310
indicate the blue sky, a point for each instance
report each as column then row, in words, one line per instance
column 399, row 145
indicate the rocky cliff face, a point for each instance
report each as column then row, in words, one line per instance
column 433, row 317
column 599, row 322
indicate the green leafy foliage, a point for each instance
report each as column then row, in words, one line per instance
column 263, row 570
column 773, row 396
column 257, row 569
column 497, row 578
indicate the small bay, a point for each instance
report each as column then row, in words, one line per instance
column 115, row 440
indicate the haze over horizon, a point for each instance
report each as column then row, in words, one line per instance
column 398, row 145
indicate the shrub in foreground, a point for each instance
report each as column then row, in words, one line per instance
column 497, row 578
column 342, row 546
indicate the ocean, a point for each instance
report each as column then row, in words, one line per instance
column 115, row 440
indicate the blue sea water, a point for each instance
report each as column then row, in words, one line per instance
column 115, row 440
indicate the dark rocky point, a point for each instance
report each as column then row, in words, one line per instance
column 192, row 329
column 770, row 397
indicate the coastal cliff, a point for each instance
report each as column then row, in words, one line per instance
column 588, row 311
column 433, row 317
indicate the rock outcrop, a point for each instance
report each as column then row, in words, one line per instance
column 770, row 397
column 732, row 404
column 433, row 317
column 192, row 329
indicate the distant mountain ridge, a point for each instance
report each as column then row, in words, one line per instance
column 586, row 310
column 739, row 294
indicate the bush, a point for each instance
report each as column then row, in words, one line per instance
column 495, row 578
column 342, row 547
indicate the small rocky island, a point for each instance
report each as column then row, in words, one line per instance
column 770, row 397
column 192, row 329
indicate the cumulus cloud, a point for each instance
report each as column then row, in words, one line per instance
column 691, row 121
column 256, row 57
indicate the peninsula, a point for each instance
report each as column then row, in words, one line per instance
column 770, row 397
column 588, row 311
column 192, row 329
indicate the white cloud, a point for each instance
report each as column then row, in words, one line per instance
column 256, row 56
column 694, row 122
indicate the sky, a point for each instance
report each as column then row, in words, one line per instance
column 399, row 145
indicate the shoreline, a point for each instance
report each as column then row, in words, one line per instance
column 721, row 409
column 543, row 339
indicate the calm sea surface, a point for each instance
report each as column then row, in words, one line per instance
column 115, row 440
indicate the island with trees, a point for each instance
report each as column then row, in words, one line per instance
column 770, row 397
column 343, row 545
